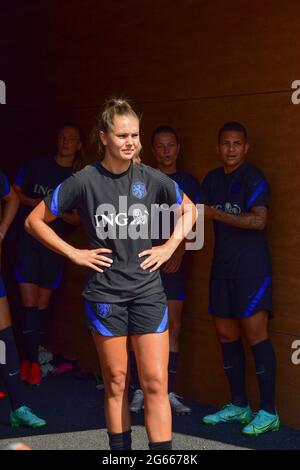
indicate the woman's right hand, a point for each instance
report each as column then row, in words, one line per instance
column 91, row 258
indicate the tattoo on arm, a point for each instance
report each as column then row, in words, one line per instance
column 255, row 219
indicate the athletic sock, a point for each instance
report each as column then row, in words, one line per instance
column 165, row 445
column 30, row 332
column 265, row 362
column 120, row 441
column 134, row 372
column 42, row 323
column 10, row 371
column 234, row 367
column 172, row 368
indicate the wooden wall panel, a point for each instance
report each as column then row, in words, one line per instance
column 171, row 50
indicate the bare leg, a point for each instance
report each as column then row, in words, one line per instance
column 113, row 358
column 152, row 355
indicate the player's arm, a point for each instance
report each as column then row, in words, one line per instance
column 37, row 225
column 9, row 212
column 8, row 215
column 160, row 254
column 254, row 219
column 173, row 264
column 26, row 200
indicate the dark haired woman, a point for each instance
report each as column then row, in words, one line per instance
column 237, row 197
column 38, row 269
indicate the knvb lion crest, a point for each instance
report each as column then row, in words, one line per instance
column 104, row 310
column 138, row 190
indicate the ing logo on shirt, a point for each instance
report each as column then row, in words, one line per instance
column 138, row 189
column 42, row 190
column 229, row 208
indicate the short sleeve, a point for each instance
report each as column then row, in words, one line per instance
column 26, row 174
column 169, row 191
column 4, row 185
column 257, row 190
column 65, row 197
column 20, row 178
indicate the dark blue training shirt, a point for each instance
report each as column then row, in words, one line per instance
column 38, row 178
column 190, row 186
column 238, row 253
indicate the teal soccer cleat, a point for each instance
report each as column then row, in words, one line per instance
column 230, row 414
column 23, row 416
column 262, row 423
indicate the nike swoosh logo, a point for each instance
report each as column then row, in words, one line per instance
column 11, row 374
column 263, row 428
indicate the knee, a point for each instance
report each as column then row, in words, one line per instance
column 255, row 337
column 156, row 385
column 227, row 336
column 43, row 305
column 115, row 384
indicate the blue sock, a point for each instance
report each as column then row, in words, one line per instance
column 166, row 445
column 42, row 323
column 30, row 330
column 265, row 362
column 234, row 367
column 120, row 441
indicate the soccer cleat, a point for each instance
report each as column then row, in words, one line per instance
column 262, row 422
column 24, row 416
column 230, row 414
column 2, row 395
column 177, row 407
column 25, row 366
column 35, row 374
column 137, row 402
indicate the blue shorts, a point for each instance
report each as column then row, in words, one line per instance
column 138, row 316
column 36, row 264
column 174, row 284
column 240, row 298
column 2, row 288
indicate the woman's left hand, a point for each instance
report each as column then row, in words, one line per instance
column 158, row 255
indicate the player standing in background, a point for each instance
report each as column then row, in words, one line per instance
column 236, row 197
column 165, row 148
column 38, row 269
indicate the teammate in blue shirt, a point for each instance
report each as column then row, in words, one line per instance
column 10, row 364
column 38, row 269
column 165, row 148
column 123, row 294
column 236, row 197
